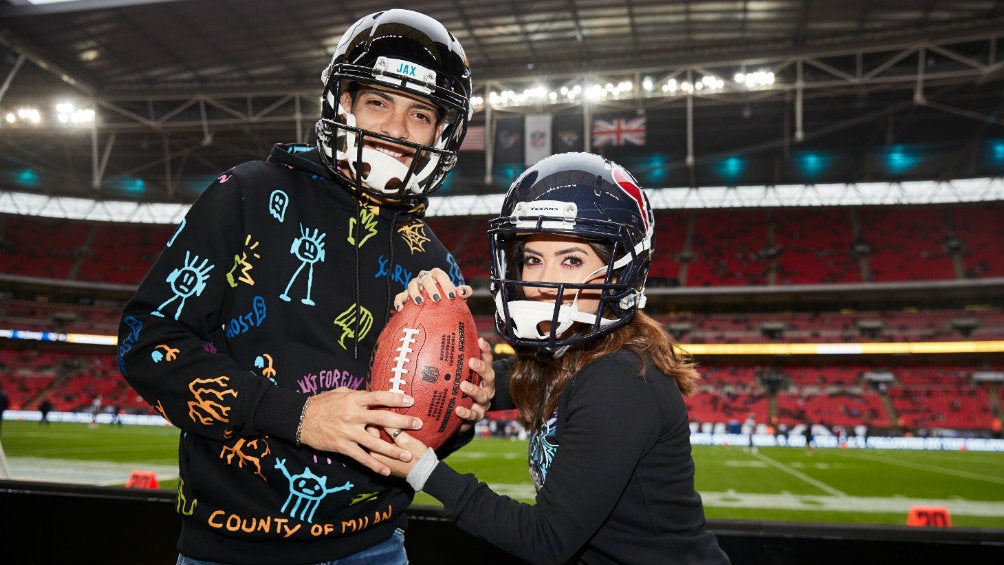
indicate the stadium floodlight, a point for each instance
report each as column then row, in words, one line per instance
column 756, row 79
column 29, row 115
column 67, row 113
column 477, row 103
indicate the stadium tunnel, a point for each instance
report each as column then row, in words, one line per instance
column 52, row 524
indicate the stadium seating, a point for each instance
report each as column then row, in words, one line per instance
column 698, row 248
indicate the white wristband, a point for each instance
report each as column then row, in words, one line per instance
column 422, row 470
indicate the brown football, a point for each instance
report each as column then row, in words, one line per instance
column 423, row 352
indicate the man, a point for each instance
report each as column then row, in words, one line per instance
column 254, row 330
column 44, row 408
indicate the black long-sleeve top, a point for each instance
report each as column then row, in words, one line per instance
column 617, row 472
column 274, row 288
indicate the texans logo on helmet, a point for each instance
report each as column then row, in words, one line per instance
column 633, row 190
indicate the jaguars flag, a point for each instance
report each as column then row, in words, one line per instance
column 568, row 133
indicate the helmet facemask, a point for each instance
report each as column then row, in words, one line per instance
column 559, row 322
column 403, row 53
column 375, row 172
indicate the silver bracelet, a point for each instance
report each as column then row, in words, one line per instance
column 299, row 425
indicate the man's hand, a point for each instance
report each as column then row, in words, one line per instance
column 345, row 421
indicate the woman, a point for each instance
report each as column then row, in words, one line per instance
column 598, row 383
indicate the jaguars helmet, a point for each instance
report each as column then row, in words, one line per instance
column 581, row 195
column 407, row 53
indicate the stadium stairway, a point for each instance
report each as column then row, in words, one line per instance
column 890, row 410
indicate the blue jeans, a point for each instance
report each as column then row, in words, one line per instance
column 390, row 552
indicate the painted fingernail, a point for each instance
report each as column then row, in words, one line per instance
column 398, row 307
column 418, row 300
column 452, row 295
column 435, row 298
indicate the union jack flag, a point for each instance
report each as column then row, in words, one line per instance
column 619, row 131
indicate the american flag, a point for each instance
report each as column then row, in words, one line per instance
column 619, row 131
column 474, row 140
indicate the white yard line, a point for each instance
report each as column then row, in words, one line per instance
column 835, row 503
column 102, row 473
column 866, row 504
column 798, row 474
column 920, row 466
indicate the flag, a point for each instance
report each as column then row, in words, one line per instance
column 509, row 140
column 619, row 131
column 568, row 133
column 537, row 141
column 474, row 140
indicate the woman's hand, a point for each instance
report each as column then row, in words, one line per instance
column 483, row 393
column 431, row 285
column 413, row 446
column 434, row 285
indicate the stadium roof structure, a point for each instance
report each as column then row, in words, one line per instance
column 183, row 89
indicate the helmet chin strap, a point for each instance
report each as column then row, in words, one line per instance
column 527, row 315
column 385, row 172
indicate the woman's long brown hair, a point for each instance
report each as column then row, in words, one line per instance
column 538, row 379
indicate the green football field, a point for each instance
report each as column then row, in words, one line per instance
column 783, row 484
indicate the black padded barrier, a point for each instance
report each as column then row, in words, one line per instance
column 55, row 524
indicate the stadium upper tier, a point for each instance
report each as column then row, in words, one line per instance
column 698, row 248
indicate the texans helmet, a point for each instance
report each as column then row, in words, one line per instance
column 584, row 196
column 407, row 53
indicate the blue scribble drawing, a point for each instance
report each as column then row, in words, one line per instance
column 185, row 282
column 455, row 275
column 309, row 249
column 277, row 203
column 180, row 227
column 129, row 340
column 307, row 489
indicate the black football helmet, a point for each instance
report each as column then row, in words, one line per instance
column 585, row 196
column 408, row 53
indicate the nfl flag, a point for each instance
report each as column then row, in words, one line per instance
column 620, row 131
column 537, row 141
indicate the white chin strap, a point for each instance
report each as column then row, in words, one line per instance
column 526, row 316
column 385, row 172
